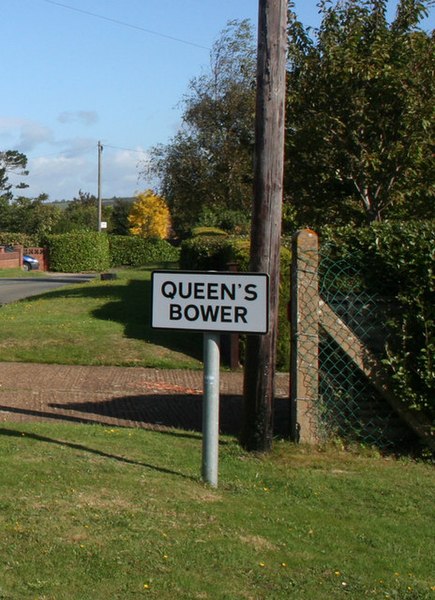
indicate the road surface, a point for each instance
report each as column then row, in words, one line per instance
column 12, row 289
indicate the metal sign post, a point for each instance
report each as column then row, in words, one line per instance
column 212, row 302
column 210, row 409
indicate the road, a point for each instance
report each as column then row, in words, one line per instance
column 12, row 289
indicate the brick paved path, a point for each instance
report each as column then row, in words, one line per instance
column 129, row 397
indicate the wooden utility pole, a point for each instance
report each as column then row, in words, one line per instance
column 260, row 357
column 100, row 151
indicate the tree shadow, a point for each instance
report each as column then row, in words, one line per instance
column 132, row 308
column 179, row 412
column 130, row 305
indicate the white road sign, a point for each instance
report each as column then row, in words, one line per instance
column 210, row 301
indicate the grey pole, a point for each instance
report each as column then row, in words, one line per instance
column 210, row 414
column 100, row 150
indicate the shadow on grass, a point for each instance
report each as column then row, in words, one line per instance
column 130, row 305
column 74, row 446
column 133, row 310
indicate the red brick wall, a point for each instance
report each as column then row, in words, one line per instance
column 41, row 254
column 11, row 260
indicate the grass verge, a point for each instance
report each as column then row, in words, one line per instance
column 89, row 512
column 95, row 323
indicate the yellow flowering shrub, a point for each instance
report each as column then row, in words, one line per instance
column 149, row 216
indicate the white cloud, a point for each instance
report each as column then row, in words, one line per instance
column 32, row 135
column 62, row 176
column 23, row 134
column 61, row 167
column 85, row 117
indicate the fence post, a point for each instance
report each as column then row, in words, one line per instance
column 304, row 345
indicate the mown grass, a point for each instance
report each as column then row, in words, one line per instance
column 95, row 323
column 7, row 273
column 88, row 512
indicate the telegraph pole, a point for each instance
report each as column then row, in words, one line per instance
column 259, row 388
column 100, row 151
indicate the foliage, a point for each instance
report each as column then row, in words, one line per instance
column 14, row 163
column 237, row 222
column 396, row 261
column 78, row 251
column 119, row 224
column 81, row 214
column 34, row 216
column 206, row 253
column 360, row 118
column 210, row 231
column 8, row 238
column 149, row 216
column 216, row 253
column 208, row 164
column 135, row 251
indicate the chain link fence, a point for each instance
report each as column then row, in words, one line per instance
column 339, row 330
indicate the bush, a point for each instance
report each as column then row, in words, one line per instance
column 78, row 252
column 217, row 253
column 18, row 239
column 396, row 261
column 207, row 231
column 136, row 252
column 206, row 253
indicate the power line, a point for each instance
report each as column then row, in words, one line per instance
column 127, row 149
column 124, row 24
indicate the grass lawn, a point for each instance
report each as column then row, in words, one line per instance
column 95, row 323
column 90, row 513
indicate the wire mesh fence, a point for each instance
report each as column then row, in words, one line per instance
column 339, row 330
column 349, row 406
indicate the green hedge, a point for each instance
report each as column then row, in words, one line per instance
column 8, row 238
column 216, row 253
column 136, row 252
column 78, row 252
column 396, row 261
column 202, row 230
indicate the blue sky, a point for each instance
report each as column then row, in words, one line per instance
column 71, row 79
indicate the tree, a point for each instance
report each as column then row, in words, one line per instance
column 360, row 114
column 81, row 214
column 12, row 162
column 208, row 164
column 149, row 216
column 119, row 217
column 33, row 216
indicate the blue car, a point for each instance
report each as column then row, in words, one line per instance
column 30, row 263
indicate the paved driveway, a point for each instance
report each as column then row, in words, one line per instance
column 124, row 396
column 12, row 289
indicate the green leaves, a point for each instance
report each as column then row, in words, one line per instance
column 396, row 261
column 79, row 251
column 209, row 162
column 360, row 115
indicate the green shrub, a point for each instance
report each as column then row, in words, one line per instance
column 136, row 252
column 78, row 252
column 207, row 231
column 217, row 253
column 206, row 253
column 396, row 260
column 236, row 222
column 8, row 238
